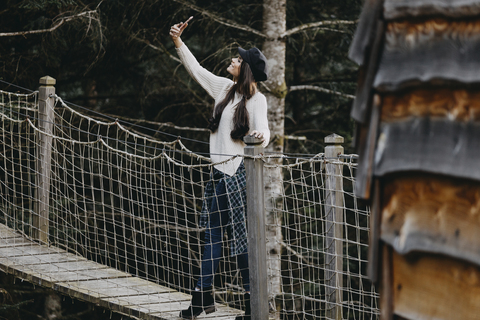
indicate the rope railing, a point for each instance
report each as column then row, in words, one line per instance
column 133, row 203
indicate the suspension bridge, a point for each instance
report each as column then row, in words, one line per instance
column 104, row 213
column 89, row 281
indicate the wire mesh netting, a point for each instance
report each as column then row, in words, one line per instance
column 131, row 202
column 325, row 242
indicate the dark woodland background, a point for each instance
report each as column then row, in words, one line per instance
column 115, row 57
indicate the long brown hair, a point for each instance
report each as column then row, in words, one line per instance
column 245, row 86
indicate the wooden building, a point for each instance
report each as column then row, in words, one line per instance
column 417, row 110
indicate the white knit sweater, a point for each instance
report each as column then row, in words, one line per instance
column 222, row 146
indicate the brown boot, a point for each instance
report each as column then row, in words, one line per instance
column 201, row 301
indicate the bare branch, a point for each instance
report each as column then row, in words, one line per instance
column 316, row 25
column 56, row 25
column 298, row 138
column 161, row 48
column 226, row 22
column 320, row 89
column 233, row 24
column 333, row 30
column 298, row 255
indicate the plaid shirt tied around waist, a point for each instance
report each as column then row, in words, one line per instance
column 236, row 188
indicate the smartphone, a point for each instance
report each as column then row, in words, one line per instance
column 187, row 20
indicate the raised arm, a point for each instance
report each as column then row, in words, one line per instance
column 211, row 83
column 176, row 31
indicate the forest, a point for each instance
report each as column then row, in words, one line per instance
column 115, row 58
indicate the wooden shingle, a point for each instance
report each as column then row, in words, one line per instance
column 398, row 9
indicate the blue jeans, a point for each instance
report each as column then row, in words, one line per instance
column 219, row 217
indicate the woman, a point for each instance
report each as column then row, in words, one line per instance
column 240, row 110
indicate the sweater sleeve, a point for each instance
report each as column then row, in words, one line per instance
column 260, row 118
column 211, row 83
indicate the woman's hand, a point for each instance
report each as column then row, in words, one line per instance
column 256, row 134
column 176, row 31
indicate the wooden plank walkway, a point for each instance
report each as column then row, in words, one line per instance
column 89, row 281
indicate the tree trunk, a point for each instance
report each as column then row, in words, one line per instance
column 274, row 24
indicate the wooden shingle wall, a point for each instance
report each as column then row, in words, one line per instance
column 417, row 110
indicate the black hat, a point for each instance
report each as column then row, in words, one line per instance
column 257, row 62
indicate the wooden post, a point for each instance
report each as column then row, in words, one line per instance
column 334, row 210
column 46, row 100
column 257, row 250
